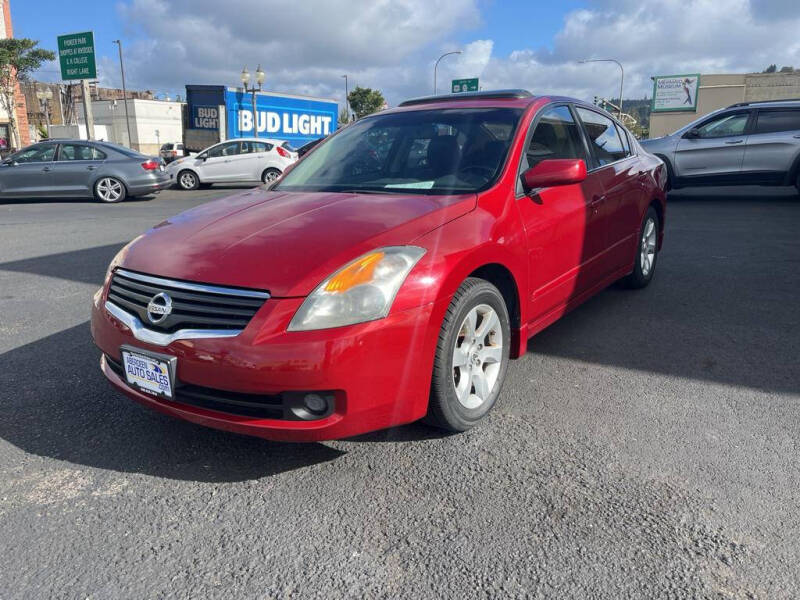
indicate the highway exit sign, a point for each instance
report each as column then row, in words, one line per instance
column 76, row 54
column 465, row 85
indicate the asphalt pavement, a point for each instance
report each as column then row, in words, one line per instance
column 645, row 447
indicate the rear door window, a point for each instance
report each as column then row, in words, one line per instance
column 773, row 121
column 79, row 152
column 603, row 136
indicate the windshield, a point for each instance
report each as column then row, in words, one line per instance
column 445, row 151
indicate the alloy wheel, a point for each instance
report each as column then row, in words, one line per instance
column 109, row 189
column 188, row 180
column 477, row 356
column 647, row 251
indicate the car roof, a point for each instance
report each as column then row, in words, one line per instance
column 789, row 102
column 511, row 98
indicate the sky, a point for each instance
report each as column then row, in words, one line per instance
column 306, row 46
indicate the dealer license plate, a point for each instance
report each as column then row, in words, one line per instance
column 151, row 374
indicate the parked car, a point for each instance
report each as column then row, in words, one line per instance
column 240, row 160
column 367, row 288
column 750, row 143
column 308, row 146
column 173, row 151
column 81, row 169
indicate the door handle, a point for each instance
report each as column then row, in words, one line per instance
column 91, row 167
column 735, row 142
column 45, row 169
column 595, row 202
column 796, row 136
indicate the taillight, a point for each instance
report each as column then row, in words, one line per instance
column 283, row 152
column 150, row 165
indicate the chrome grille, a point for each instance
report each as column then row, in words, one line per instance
column 193, row 305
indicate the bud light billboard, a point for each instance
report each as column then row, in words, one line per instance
column 289, row 117
column 296, row 119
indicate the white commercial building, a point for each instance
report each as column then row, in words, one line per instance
column 152, row 122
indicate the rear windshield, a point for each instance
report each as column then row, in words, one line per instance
column 167, row 146
column 288, row 147
column 121, row 149
column 444, row 151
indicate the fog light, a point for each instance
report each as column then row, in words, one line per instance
column 315, row 404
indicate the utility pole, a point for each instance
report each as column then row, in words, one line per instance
column 346, row 100
column 436, row 66
column 124, row 93
column 621, row 78
column 87, row 109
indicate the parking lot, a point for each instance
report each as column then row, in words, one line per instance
column 646, row 445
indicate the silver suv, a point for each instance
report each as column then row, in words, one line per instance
column 750, row 143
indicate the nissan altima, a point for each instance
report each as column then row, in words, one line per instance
column 390, row 275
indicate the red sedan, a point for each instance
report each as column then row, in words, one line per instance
column 390, row 275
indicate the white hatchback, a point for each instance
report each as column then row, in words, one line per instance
column 244, row 159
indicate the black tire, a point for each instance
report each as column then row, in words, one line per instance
column 270, row 175
column 110, row 190
column 445, row 410
column 640, row 277
column 797, row 182
column 188, row 180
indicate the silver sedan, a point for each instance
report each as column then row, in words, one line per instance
column 81, row 169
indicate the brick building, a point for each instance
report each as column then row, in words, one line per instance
column 7, row 31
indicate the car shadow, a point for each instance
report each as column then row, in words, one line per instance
column 721, row 306
column 56, row 403
column 85, row 266
column 61, row 200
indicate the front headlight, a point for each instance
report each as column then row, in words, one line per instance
column 362, row 290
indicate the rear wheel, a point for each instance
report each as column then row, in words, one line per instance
column 188, row 180
column 471, row 357
column 109, row 190
column 646, row 252
column 270, row 175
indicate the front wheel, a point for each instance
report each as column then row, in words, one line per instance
column 109, row 190
column 471, row 357
column 270, row 175
column 188, row 180
column 646, row 252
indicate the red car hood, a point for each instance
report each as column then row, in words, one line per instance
column 285, row 242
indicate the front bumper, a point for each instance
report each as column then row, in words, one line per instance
column 379, row 372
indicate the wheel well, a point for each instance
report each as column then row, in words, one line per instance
column 500, row 277
column 670, row 171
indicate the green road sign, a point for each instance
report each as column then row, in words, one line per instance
column 76, row 53
column 465, row 85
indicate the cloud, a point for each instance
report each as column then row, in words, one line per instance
column 306, row 46
column 654, row 37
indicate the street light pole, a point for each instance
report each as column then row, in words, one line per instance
column 346, row 100
column 245, row 77
column 621, row 77
column 124, row 93
column 436, row 66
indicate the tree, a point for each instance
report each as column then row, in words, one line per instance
column 771, row 69
column 18, row 59
column 365, row 101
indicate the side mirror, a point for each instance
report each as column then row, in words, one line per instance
column 692, row 133
column 202, row 157
column 554, row 171
column 9, row 163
